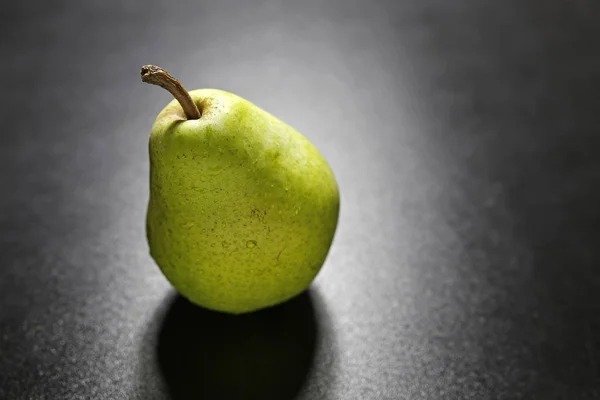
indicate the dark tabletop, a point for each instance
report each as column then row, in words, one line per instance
column 465, row 136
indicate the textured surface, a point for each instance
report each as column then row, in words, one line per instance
column 464, row 135
column 243, row 208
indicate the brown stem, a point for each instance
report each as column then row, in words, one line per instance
column 158, row 76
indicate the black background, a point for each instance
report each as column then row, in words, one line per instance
column 465, row 138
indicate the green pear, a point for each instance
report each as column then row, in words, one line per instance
column 243, row 208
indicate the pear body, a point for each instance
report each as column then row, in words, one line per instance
column 243, row 208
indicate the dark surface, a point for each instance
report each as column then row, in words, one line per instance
column 264, row 355
column 465, row 138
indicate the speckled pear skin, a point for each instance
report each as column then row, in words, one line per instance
column 243, row 208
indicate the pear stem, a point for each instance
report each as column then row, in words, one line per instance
column 157, row 76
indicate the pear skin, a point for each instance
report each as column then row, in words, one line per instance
column 243, row 208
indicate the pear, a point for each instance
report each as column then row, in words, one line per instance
column 243, row 208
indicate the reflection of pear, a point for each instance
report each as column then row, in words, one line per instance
column 237, row 175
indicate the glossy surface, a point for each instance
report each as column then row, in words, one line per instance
column 243, row 208
column 464, row 136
